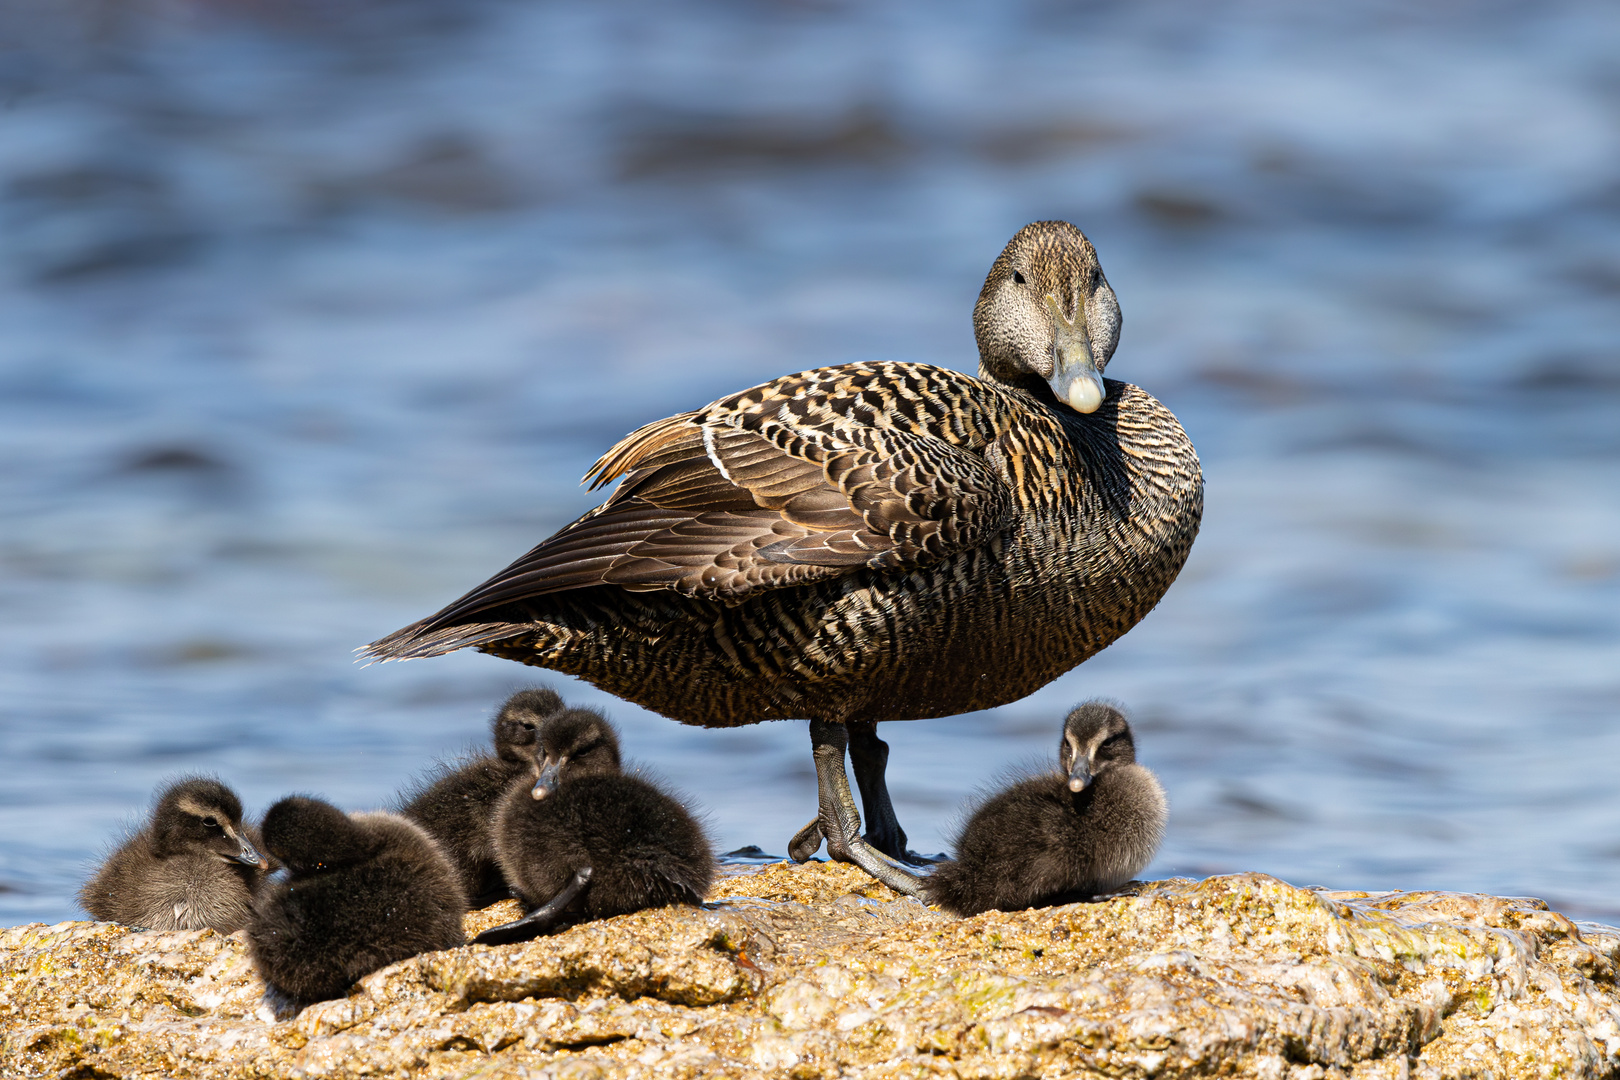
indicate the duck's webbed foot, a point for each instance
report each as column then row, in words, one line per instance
column 540, row 919
column 839, row 821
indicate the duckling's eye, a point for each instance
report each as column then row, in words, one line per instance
column 1018, row 278
column 211, row 822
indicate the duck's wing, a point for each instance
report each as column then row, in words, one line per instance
column 882, row 466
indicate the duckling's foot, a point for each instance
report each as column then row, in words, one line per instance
column 540, row 919
column 840, row 821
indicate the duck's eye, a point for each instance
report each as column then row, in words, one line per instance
column 212, row 823
column 1018, row 278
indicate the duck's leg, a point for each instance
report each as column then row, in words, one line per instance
column 869, row 757
column 839, row 820
column 540, row 919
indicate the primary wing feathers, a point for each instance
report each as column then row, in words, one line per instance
column 807, row 477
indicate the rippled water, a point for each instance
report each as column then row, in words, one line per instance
column 311, row 323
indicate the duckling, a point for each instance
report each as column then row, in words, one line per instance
column 361, row 891
column 601, row 844
column 869, row 542
column 1061, row 836
column 193, row 865
column 457, row 805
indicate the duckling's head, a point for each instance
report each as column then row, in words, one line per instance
column 1046, row 312
column 308, row 835
column 515, row 724
column 573, row 743
column 197, row 814
column 1096, row 738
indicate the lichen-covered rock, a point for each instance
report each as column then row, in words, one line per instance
column 816, row 970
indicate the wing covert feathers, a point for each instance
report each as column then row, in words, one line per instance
column 815, row 475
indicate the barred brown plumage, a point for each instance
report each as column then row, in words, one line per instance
column 867, row 542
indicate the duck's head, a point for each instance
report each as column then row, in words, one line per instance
column 575, row 742
column 200, row 814
column 308, row 835
column 1096, row 738
column 1046, row 312
column 515, row 724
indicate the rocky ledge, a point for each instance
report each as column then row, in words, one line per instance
column 812, row 971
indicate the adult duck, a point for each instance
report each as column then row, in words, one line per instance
column 867, row 542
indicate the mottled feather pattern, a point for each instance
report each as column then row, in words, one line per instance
column 1035, row 537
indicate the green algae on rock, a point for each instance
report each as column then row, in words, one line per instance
column 816, row 970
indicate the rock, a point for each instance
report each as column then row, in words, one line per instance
column 817, row 971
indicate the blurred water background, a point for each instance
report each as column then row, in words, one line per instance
column 315, row 312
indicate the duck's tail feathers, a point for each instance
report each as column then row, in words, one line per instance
column 421, row 639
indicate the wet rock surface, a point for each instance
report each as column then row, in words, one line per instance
column 818, row 971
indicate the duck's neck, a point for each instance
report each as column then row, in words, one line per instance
column 1024, row 382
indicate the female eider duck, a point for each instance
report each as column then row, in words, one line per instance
column 361, row 891
column 458, row 808
column 1070, row 835
column 192, row 867
column 591, row 841
column 868, row 542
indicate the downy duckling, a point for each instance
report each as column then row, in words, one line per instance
column 193, row 865
column 457, row 805
column 361, row 891
column 601, row 844
column 1061, row 836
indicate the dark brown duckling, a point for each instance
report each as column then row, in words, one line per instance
column 599, row 844
column 193, row 866
column 360, row 892
column 867, row 542
column 568, row 745
column 1063, row 836
column 457, row 804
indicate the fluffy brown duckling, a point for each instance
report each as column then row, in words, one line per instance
column 1061, row 836
column 593, row 843
column 360, row 892
column 457, row 804
column 193, row 866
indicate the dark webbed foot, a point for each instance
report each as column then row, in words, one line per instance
column 839, row 821
column 540, row 919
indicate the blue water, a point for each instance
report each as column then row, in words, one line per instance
column 311, row 322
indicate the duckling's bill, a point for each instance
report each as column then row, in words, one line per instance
column 251, row 857
column 550, row 776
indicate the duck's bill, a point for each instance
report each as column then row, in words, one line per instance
column 1079, row 387
column 1075, row 378
column 1080, row 776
